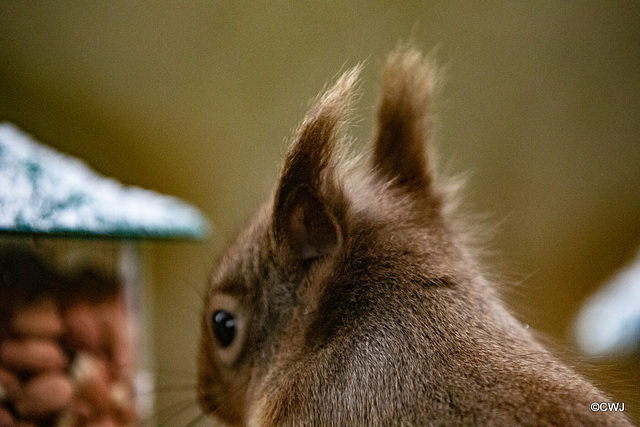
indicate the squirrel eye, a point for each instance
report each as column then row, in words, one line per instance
column 224, row 327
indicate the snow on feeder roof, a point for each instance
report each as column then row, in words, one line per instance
column 46, row 192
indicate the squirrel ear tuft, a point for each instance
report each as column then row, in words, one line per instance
column 404, row 122
column 309, row 208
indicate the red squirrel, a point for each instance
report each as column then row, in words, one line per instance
column 353, row 299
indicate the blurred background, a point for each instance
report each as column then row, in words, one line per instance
column 197, row 99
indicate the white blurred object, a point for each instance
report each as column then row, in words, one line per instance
column 608, row 324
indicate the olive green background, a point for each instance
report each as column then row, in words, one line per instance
column 196, row 99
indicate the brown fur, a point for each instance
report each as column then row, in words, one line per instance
column 357, row 302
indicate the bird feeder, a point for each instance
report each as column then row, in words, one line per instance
column 74, row 346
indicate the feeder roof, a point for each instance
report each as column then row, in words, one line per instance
column 43, row 191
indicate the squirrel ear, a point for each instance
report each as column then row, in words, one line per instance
column 310, row 206
column 404, row 128
column 311, row 231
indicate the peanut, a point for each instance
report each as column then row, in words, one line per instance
column 84, row 329
column 9, row 385
column 44, row 394
column 40, row 319
column 120, row 333
column 32, row 355
column 104, row 422
column 122, row 398
column 91, row 376
column 6, row 419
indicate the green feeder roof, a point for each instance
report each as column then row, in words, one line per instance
column 46, row 192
